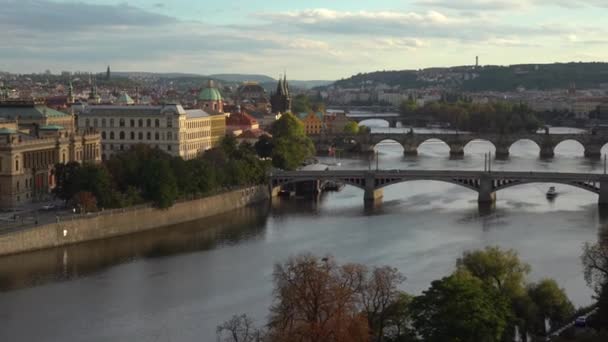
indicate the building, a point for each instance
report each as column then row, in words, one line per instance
column 171, row 128
column 33, row 139
column 280, row 101
column 313, row 122
column 210, row 99
column 239, row 120
column 334, row 122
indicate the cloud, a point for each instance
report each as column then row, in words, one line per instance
column 509, row 5
column 430, row 24
column 45, row 16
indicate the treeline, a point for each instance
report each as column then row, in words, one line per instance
column 144, row 175
column 467, row 116
column 148, row 175
column 487, row 298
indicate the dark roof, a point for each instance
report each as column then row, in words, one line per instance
column 30, row 112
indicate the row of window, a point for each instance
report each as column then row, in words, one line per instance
column 140, row 136
column 123, row 122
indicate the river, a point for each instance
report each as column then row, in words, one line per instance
column 178, row 283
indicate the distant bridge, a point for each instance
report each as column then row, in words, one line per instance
column 486, row 184
column 392, row 119
column 410, row 141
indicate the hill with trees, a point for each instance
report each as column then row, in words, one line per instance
column 489, row 78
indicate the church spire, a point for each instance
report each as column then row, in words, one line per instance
column 70, row 98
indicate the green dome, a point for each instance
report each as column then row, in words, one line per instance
column 210, row 94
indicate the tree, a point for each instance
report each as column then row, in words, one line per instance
column 66, row 179
column 552, row 303
column 159, row 184
column 239, row 329
column 351, row 128
column 595, row 264
column 301, row 104
column 379, row 292
column 264, row 146
column 85, row 202
column 500, row 269
column 291, row 145
column 460, row 308
column 398, row 320
column 315, row 301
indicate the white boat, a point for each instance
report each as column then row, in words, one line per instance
column 551, row 193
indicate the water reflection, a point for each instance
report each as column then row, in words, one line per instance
column 60, row 264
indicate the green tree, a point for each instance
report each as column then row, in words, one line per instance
column 264, row 146
column 498, row 268
column 158, row 183
column 66, row 180
column 351, row 128
column 460, row 308
column 291, row 144
column 552, row 303
column 301, row 104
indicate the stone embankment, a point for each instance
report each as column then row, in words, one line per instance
column 110, row 223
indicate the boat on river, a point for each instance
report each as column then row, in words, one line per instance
column 551, row 193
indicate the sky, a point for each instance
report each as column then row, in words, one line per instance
column 310, row 40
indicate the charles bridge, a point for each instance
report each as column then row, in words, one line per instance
column 485, row 183
column 410, row 141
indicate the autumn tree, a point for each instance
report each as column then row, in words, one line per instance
column 315, row 301
column 378, row 293
column 239, row 329
column 85, row 201
column 551, row 303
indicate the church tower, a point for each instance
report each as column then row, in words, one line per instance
column 70, row 98
column 281, row 100
column 210, row 99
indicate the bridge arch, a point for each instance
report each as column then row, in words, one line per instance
column 466, row 183
column 593, row 187
column 374, row 122
column 479, row 146
column 355, row 182
column 440, row 145
column 386, row 141
column 570, row 147
column 525, row 147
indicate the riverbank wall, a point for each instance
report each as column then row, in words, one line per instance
column 111, row 223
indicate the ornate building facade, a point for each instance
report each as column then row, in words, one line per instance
column 33, row 139
column 171, row 128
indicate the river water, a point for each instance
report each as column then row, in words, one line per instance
column 178, row 283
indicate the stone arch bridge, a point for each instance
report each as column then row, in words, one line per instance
column 486, row 184
column 592, row 143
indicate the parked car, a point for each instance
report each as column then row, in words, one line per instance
column 48, row 207
column 580, row 322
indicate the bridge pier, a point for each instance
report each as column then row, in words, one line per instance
column 486, row 190
column 502, row 152
column 410, row 150
column 547, row 151
column 593, row 151
column 603, row 199
column 372, row 196
column 456, row 150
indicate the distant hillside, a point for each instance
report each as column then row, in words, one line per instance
column 240, row 78
column 486, row 78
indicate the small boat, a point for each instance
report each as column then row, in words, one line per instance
column 551, row 193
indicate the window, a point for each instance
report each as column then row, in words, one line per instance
column 111, row 147
column 156, row 136
column 17, row 185
column 95, row 123
column 149, row 136
column 132, row 123
column 103, row 147
column 169, row 122
column 103, row 135
column 148, row 123
column 122, row 135
column 16, row 165
column 132, row 135
column 111, row 135
column 122, row 148
column 168, row 147
column 169, row 136
column 141, row 123
column 103, row 123
column 121, row 122
column 156, row 123
column 140, row 135
column 111, row 122
column 87, row 123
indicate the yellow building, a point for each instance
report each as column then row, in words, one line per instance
column 171, row 128
column 31, row 143
column 313, row 122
